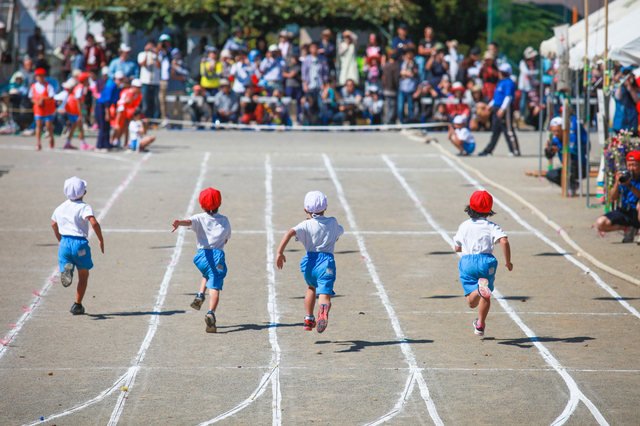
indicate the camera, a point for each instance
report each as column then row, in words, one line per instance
column 625, row 176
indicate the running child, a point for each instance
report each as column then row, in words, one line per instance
column 41, row 94
column 475, row 239
column 212, row 232
column 460, row 136
column 318, row 235
column 138, row 132
column 71, row 225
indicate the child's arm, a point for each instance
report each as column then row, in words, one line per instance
column 96, row 228
column 54, row 225
column 280, row 259
column 506, row 249
column 176, row 223
column 458, row 249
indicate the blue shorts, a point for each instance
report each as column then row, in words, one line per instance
column 72, row 118
column 44, row 118
column 475, row 266
column 133, row 144
column 74, row 250
column 319, row 270
column 211, row 264
column 469, row 147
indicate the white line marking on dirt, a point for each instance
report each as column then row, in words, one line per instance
column 51, row 280
column 575, row 394
column 415, row 375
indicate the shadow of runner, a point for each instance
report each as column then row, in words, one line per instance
column 131, row 314
column 358, row 345
column 526, row 342
column 256, row 327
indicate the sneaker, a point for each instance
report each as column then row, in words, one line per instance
column 28, row 132
column 483, row 288
column 69, row 146
column 198, row 301
column 323, row 317
column 478, row 328
column 210, row 320
column 484, row 154
column 462, row 153
column 309, row 324
column 511, row 154
column 77, row 309
column 86, row 147
column 66, row 276
column 629, row 234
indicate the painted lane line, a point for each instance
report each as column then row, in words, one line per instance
column 575, row 394
column 273, row 375
column 410, row 359
column 556, row 247
column 52, row 277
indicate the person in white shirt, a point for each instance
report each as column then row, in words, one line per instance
column 138, row 132
column 212, row 233
column 71, row 221
column 461, row 136
column 475, row 239
column 150, row 77
column 318, row 235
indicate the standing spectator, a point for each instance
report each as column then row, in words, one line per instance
column 314, row 72
column 402, row 41
column 262, row 46
column 177, row 86
column 293, row 80
column 373, row 105
column 109, row 95
column 390, row 80
column 457, row 94
column 284, row 44
column 123, row 63
column 242, row 71
column 627, row 97
column 5, row 55
column 408, row 84
column 470, row 62
column 425, row 49
column 452, row 58
column 235, row 42
column 489, row 75
column 271, row 68
column 348, row 59
column 63, row 53
column 226, row 103
column 528, row 78
column 164, row 57
column 374, row 48
column 494, row 48
column 351, row 100
column 425, row 91
column 77, row 60
column 210, row 71
column 501, row 107
column 41, row 61
column 150, row 78
column 226, row 59
column 436, row 64
column 373, row 71
column 480, row 117
column 93, row 55
column 35, row 42
column 327, row 49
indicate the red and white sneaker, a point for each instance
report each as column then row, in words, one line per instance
column 69, row 146
column 323, row 317
column 86, row 147
column 483, row 288
column 309, row 324
column 478, row 328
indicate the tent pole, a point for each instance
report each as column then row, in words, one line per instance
column 540, row 122
column 587, row 87
column 579, row 131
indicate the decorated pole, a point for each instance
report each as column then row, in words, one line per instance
column 566, row 161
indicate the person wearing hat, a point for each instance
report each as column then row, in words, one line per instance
column 457, row 105
column 271, row 68
column 372, row 69
column 293, row 79
column 242, row 71
column 467, row 70
column 226, row 103
column 164, row 58
column 41, row 95
column 210, row 71
column 318, row 235
column 213, row 232
column 407, row 85
column 123, row 63
column 73, row 109
column 436, row 66
column 284, row 44
column 327, row 49
column 529, row 75
column 625, row 190
column 71, row 221
column 460, row 136
column 109, row 96
column 402, row 40
column 476, row 239
column 150, row 77
column 425, row 47
column 373, row 105
column 555, row 144
column 489, row 74
column 627, row 96
column 501, row 108
column 236, row 41
column 347, row 56
column 129, row 101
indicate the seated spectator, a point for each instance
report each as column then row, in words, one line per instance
column 460, row 136
column 555, row 146
column 351, row 101
column 242, row 72
column 626, row 190
column 408, row 85
column 271, row 68
column 441, row 115
column 436, row 65
column 444, row 87
column 329, row 107
column 425, row 91
column 252, row 110
column 459, row 108
column 210, row 71
column 28, row 71
column 19, row 83
column 390, row 80
column 373, row 105
column 199, row 109
column 276, row 111
column 480, row 118
column 627, row 97
column 310, row 111
column 226, row 103
column 373, row 71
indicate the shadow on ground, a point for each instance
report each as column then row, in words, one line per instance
column 526, row 343
column 358, row 345
column 132, row 314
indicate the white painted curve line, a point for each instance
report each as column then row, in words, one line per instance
column 416, row 374
column 555, row 246
column 51, row 280
column 575, row 395
column 273, row 376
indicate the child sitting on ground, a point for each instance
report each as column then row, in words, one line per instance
column 71, row 225
column 475, row 239
column 212, row 233
column 318, row 235
column 460, row 135
column 138, row 132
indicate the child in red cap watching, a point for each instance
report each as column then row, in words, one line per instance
column 475, row 239
column 212, row 233
column 41, row 94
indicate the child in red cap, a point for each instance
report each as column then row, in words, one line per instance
column 212, row 233
column 41, row 94
column 475, row 239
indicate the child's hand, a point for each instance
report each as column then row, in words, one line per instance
column 176, row 224
column 509, row 266
column 280, row 260
column 102, row 246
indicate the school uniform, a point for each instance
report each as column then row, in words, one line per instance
column 212, row 232
column 135, row 127
column 47, row 110
column 468, row 140
column 73, row 225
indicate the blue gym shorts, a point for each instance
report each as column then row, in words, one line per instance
column 319, row 270
column 475, row 266
column 133, row 144
column 469, row 147
column 211, row 264
column 74, row 250
column 72, row 118
column 44, row 118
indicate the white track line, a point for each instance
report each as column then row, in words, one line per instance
column 575, row 394
column 273, row 375
column 416, row 375
column 51, row 280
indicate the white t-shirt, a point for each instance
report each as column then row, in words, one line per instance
column 135, row 126
column 71, row 217
column 465, row 135
column 148, row 74
column 318, row 234
column 40, row 89
column 477, row 236
column 212, row 232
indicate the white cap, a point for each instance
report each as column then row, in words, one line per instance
column 118, row 75
column 556, row 121
column 74, row 188
column 315, row 202
column 105, row 70
column 460, row 119
column 125, row 47
column 164, row 37
column 273, row 48
column 226, row 53
column 136, row 82
column 505, row 68
column 70, row 84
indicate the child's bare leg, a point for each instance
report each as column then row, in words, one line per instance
column 473, row 299
column 310, row 301
column 457, row 144
column 483, row 309
column 38, row 131
column 50, row 128
column 203, row 285
column 147, row 140
column 213, row 299
column 83, row 278
column 325, row 299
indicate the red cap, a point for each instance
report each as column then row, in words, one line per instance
column 481, row 201
column 210, row 199
column 41, row 71
column 83, row 77
column 633, row 156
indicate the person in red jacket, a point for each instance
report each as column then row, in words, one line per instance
column 41, row 94
column 73, row 108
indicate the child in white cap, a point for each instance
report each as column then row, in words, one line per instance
column 318, row 235
column 71, row 225
column 461, row 136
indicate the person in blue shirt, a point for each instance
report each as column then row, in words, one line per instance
column 555, row 146
column 626, row 96
column 402, row 41
column 502, row 119
column 108, row 96
column 626, row 188
column 124, row 64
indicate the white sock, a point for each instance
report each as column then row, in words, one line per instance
column 310, row 317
